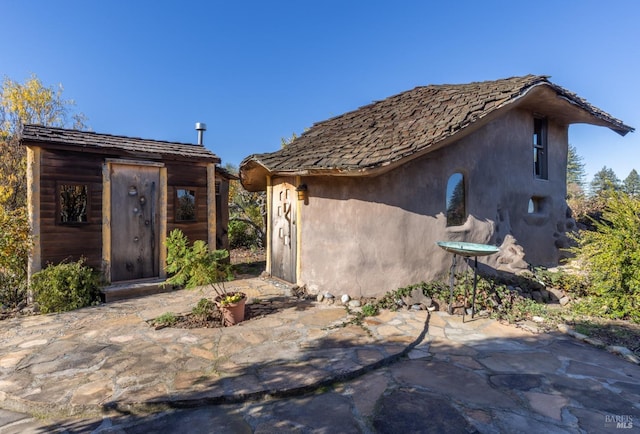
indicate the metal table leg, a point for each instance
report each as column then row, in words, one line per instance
column 475, row 283
column 451, row 283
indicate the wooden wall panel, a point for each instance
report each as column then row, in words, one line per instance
column 61, row 242
column 69, row 242
column 195, row 178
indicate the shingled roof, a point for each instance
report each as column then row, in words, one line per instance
column 121, row 145
column 414, row 122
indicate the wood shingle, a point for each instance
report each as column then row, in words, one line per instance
column 128, row 146
column 411, row 122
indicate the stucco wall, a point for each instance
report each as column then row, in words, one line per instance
column 365, row 236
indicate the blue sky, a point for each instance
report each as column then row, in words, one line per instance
column 258, row 71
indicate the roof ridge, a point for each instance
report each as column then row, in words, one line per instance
column 47, row 136
column 532, row 79
column 73, row 130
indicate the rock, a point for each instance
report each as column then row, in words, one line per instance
column 417, row 307
column 622, row 351
column 319, row 298
column 633, row 358
column 555, row 294
column 564, row 300
column 563, row 328
column 417, row 297
column 595, row 342
column 511, row 256
column 328, row 295
column 355, row 303
column 345, row 298
column 538, row 319
column 578, row 335
column 537, row 296
column 530, row 327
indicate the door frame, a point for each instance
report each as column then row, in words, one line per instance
column 106, row 212
column 297, row 229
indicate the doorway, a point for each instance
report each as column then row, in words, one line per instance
column 134, row 228
column 283, row 230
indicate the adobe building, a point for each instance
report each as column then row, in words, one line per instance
column 357, row 203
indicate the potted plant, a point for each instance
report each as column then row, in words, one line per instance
column 196, row 265
column 232, row 306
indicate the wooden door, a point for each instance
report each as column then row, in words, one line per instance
column 283, row 235
column 134, row 225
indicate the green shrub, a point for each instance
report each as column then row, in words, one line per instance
column 611, row 257
column 572, row 283
column 65, row 286
column 370, row 309
column 15, row 243
column 167, row 319
column 204, row 309
column 242, row 234
column 194, row 265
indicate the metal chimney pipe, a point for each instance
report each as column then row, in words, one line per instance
column 200, row 128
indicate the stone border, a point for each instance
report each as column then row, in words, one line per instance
column 625, row 352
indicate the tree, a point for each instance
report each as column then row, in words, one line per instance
column 631, row 184
column 604, row 182
column 30, row 102
column 575, row 185
column 247, row 215
column 20, row 104
column 575, row 168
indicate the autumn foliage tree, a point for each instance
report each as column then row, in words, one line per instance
column 20, row 104
column 30, row 102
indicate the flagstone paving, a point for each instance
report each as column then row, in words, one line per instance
column 303, row 367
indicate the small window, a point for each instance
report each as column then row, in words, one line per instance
column 537, row 205
column 73, row 203
column 185, row 205
column 534, row 206
column 456, row 209
column 540, row 148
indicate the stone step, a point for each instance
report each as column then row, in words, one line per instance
column 134, row 288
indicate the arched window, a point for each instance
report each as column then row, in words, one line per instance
column 456, row 208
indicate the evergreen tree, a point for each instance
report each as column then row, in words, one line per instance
column 604, row 182
column 631, row 184
column 575, row 168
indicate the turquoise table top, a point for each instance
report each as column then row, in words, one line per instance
column 468, row 249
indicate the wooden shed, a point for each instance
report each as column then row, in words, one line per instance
column 114, row 199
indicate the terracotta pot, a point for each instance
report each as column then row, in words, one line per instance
column 232, row 313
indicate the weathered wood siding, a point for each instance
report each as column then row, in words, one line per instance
column 61, row 242
column 193, row 177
